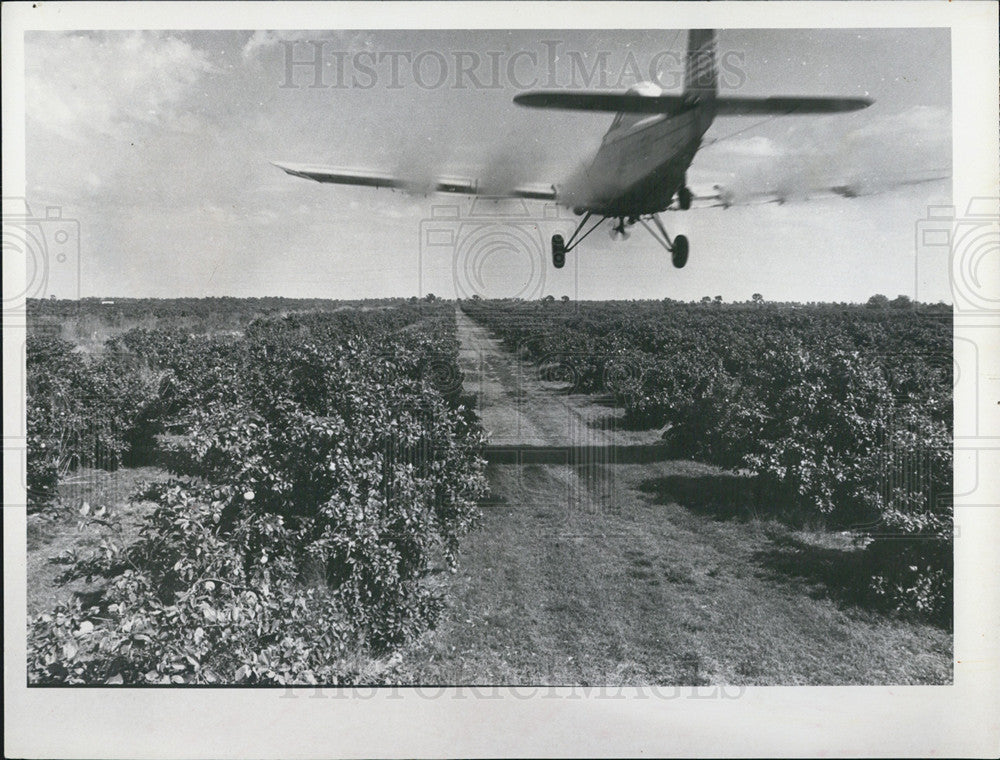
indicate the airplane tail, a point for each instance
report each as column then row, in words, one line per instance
column 700, row 75
column 701, row 86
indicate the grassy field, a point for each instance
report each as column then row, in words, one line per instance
column 658, row 591
column 648, row 570
column 53, row 533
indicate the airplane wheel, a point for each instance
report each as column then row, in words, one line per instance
column 679, row 251
column 558, row 252
column 684, row 199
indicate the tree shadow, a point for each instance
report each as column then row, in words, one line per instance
column 618, row 419
column 840, row 574
column 843, row 575
column 574, row 455
column 726, row 496
column 722, row 496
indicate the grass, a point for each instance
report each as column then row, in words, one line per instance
column 557, row 591
column 636, row 582
column 59, row 529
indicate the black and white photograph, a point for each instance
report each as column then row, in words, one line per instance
column 603, row 366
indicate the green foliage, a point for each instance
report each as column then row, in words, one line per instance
column 190, row 602
column 824, row 429
column 335, row 467
column 912, row 552
column 81, row 412
column 844, row 415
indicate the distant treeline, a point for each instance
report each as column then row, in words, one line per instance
column 132, row 308
column 89, row 322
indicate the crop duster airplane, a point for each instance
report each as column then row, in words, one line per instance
column 640, row 168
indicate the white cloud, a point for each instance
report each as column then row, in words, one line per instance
column 79, row 84
column 916, row 122
column 894, row 147
column 878, row 152
column 262, row 42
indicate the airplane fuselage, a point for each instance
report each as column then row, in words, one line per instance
column 643, row 161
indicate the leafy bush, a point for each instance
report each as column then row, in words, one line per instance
column 335, row 464
column 80, row 413
column 911, row 554
column 823, row 433
column 190, row 602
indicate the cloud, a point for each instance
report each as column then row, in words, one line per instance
column 891, row 148
column 78, row 84
column 918, row 137
column 879, row 152
column 921, row 121
column 263, row 42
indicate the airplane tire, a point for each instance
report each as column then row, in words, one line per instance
column 679, row 251
column 684, row 198
column 558, row 251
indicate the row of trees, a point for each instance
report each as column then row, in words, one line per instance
column 327, row 465
column 877, row 301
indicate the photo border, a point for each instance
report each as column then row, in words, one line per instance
column 961, row 719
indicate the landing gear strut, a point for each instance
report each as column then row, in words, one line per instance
column 620, row 230
column 678, row 246
column 560, row 247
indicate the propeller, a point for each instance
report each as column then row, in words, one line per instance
column 618, row 231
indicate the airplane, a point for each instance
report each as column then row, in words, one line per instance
column 641, row 166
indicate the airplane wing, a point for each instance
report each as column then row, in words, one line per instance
column 451, row 185
column 616, row 102
column 734, row 106
column 721, row 196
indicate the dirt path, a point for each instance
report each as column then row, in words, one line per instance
column 517, row 407
column 531, row 421
column 600, row 560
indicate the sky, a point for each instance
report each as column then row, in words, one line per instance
column 158, row 145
